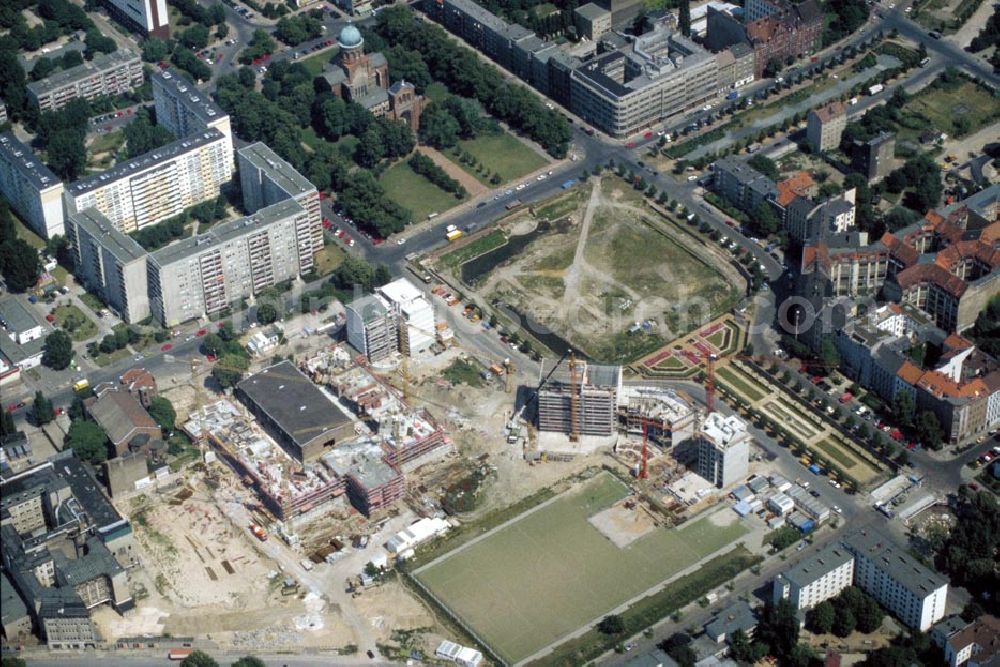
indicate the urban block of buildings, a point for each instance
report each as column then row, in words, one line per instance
column 398, row 317
column 65, row 552
column 723, row 449
column 825, row 126
column 30, row 187
column 183, row 109
column 975, row 644
column 363, row 78
column 914, row 594
column 107, row 74
column 21, row 340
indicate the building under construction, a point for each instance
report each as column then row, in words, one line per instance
column 578, row 398
column 372, row 483
column 656, row 412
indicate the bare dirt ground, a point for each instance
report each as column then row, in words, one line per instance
column 469, row 182
column 622, row 525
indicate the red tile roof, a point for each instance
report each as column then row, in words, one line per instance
column 800, row 184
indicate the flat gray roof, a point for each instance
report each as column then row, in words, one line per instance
column 102, row 62
column 895, row 562
column 145, row 161
column 226, row 231
column 16, row 315
column 194, row 101
column 278, row 170
column 596, row 374
column 121, row 246
column 818, row 565
column 12, row 607
column 591, row 11
column 26, row 163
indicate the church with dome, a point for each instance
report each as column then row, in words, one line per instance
column 363, row 78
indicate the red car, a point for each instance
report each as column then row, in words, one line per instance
column 201, row 332
column 648, row 135
column 630, row 144
column 167, row 347
column 50, row 317
column 210, row 357
column 377, row 241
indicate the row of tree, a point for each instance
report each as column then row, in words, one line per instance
column 293, row 30
column 427, row 168
column 443, row 125
column 852, row 610
column 464, row 74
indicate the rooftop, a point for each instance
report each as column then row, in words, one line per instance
column 30, row 167
column 16, row 315
column 224, row 232
column 121, row 246
column 983, row 635
column 364, row 461
column 102, row 62
column 11, row 605
column 895, row 562
column 283, row 174
column 722, row 430
column 293, row 402
column 400, row 291
column 827, row 113
column 194, row 101
column 119, row 414
column 151, row 160
column 369, row 307
column 593, row 375
column 87, row 490
column 738, row 616
column 817, row 566
column 591, row 11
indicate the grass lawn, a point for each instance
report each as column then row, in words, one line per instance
column 551, row 572
column 485, row 243
column 829, row 448
column 463, row 372
column 736, row 381
column 316, row 62
column 92, row 302
column 562, row 205
column 103, row 360
column 329, row 258
column 942, row 106
column 411, row 190
column 75, row 322
column 436, row 92
column 105, row 143
column 25, row 233
column 504, row 154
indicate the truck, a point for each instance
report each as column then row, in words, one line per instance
column 876, row 89
column 80, row 385
column 258, row 532
column 510, row 206
column 179, row 653
column 453, row 235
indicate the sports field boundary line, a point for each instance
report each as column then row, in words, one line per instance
column 511, row 521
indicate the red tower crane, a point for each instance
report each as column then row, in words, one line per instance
column 710, row 382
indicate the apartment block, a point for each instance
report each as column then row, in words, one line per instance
column 873, row 158
column 825, row 126
column 914, row 594
column 723, row 450
column 414, row 313
column 107, row 74
column 846, row 264
column 182, row 108
column 596, row 390
column 592, row 21
column 31, row 189
column 658, row 77
column 744, row 187
column 203, row 275
column 148, row 17
column 371, row 327
column 817, row 578
column 266, row 179
column 976, row 645
column 157, row 185
column 109, row 263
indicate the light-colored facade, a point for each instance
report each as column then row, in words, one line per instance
column 109, row 263
column 976, row 645
column 107, row 74
column 911, row 592
column 371, row 327
column 597, row 390
column 30, row 187
column 267, row 179
column 723, row 450
column 659, row 77
column 157, row 185
column 825, row 126
column 185, row 110
column 148, row 17
column 592, row 21
column 414, row 313
column 817, row 578
column 205, row 274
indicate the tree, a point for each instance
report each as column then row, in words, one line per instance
column 821, row 617
column 226, row 331
column 869, row 615
column 142, row 135
column 267, row 313
column 929, row 431
column 98, row 43
column 439, row 128
column 764, row 165
column 88, row 441
column 162, row 411
column 249, row 661
column 19, row 262
column 43, row 67
column 199, row 659
column 57, row 352
column 844, row 621
column 779, row 628
column 765, row 219
column 6, row 424
column 66, row 153
column 41, row 409
column 354, row 273
column 986, row 330
column 13, row 661
column 229, row 370
column 828, row 352
column 195, row 37
column 903, row 407
column 212, row 344
column 684, row 17
column 612, row 625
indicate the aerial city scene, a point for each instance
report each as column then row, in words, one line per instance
column 638, row 333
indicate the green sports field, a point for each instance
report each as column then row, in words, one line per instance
column 551, row 572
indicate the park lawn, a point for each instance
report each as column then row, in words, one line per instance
column 92, row 302
column 550, row 571
column 315, row 63
column 942, row 105
column 329, row 258
column 414, row 192
column 831, row 449
column 75, row 322
column 737, row 382
column 502, row 153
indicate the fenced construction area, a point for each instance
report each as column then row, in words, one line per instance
column 552, row 570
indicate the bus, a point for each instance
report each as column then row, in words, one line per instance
column 80, row 385
column 453, row 235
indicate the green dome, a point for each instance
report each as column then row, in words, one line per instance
column 350, row 37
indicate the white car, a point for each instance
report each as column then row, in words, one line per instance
column 521, row 186
column 401, row 241
column 908, row 10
